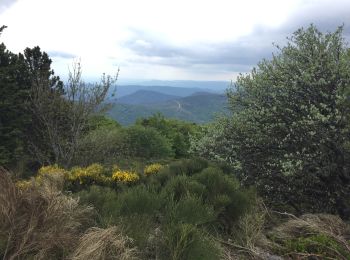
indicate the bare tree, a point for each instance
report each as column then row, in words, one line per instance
column 64, row 115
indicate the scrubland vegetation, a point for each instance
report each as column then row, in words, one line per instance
column 271, row 180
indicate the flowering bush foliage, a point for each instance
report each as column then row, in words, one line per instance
column 45, row 171
column 91, row 174
column 82, row 176
column 50, row 170
column 152, row 169
column 23, row 184
column 125, row 176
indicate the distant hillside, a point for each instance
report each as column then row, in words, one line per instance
column 217, row 86
column 124, row 90
column 144, row 97
column 198, row 108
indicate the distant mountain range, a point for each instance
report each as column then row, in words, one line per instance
column 216, row 86
column 181, row 103
column 146, row 97
column 124, row 90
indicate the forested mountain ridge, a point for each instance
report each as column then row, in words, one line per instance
column 144, row 97
column 198, row 108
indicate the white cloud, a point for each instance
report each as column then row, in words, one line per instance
column 99, row 31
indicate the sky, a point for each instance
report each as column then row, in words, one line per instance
column 163, row 39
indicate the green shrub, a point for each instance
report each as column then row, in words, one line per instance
column 104, row 201
column 224, row 194
column 216, row 182
column 102, row 145
column 182, row 186
column 188, row 166
column 178, row 168
column 195, row 165
column 138, row 200
column 146, row 143
column 139, row 227
column 189, row 210
column 203, row 248
column 158, row 181
column 186, row 242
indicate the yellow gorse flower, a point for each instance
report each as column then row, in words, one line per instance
column 152, row 169
column 125, row 176
column 93, row 172
column 50, row 170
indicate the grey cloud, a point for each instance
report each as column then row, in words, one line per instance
column 243, row 54
column 326, row 15
column 235, row 56
column 61, row 54
column 4, row 4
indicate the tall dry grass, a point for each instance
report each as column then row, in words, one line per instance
column 108, row 243
column 39, row 220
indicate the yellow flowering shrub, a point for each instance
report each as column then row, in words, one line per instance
column 125, row 176
column 152, row 169
column 92, row 173
column 50, row 170
column 23, row 184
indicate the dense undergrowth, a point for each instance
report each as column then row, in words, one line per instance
column 187, row 209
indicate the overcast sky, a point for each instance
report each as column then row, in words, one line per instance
column 163, row 39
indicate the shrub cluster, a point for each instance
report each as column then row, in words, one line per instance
column 176, row 211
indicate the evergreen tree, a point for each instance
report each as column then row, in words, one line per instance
column 14, row 117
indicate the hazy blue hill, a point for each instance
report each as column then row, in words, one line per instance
column 217, row 86
column 142, row 97
column 124, row 90
column 198, row 108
